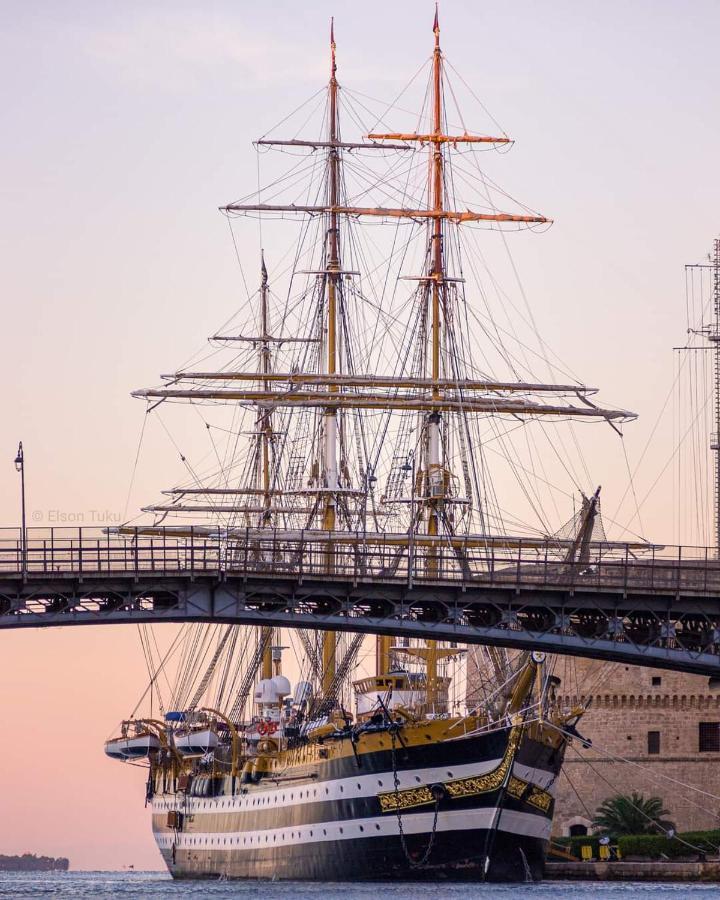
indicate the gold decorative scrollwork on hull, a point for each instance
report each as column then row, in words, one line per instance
column 540, row 798
column 391, row 801
column 516, row 787
column 530, row 793
column 405, row 799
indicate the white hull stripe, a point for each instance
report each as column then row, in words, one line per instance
column 520, row 823
column 541, row 777
column 297, row 793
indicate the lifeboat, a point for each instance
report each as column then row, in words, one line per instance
column 137, row 746
column 196, row 743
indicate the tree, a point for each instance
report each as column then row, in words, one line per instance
column 631, row 814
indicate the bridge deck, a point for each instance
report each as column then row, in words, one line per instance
column 658, row 606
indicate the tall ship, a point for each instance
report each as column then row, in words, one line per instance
column 360, row 404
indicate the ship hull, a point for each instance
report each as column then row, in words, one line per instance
column 456, row 855
column 489, row 820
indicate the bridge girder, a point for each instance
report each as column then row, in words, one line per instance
column 659, row 629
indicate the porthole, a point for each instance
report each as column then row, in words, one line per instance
column 377, row 827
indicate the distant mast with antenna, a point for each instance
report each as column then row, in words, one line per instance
column 712, row 334
column 714, row 337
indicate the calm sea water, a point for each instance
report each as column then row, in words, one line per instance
column 159, row 885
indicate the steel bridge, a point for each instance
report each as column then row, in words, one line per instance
column 652, row 606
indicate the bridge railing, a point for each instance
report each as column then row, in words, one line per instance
column 78, row 552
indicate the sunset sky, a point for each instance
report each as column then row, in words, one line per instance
column 125, row 126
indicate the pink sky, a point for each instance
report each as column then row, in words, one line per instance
column 127, row 125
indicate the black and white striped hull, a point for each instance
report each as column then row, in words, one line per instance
column 332, row 827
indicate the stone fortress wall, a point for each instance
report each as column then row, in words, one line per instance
column 665, row 724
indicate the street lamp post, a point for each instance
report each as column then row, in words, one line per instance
column 20, row 467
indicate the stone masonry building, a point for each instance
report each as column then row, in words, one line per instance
column 665, row 725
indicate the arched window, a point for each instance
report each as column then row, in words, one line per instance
column 577, row 826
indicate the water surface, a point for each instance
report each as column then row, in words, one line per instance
column 156, row 885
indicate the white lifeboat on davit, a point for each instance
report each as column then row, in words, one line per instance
column 196, row 743
column 136, row 746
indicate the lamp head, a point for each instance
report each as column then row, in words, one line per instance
column 19, row 458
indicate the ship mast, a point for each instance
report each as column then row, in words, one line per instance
column 437, row 393
column 266, row 428
column 434, row 479
column 265, row 437
column 434, row 468
column 435, row 476
column 330, row 431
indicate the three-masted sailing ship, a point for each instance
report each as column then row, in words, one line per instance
column 344, row 431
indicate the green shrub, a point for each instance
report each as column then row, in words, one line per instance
column 650, row 846
column 657, row 846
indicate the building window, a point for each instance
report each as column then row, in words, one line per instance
column 653, row 742
column 709, row 737
column 578, row 830
column 656, row 681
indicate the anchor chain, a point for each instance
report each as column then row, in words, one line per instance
column 413, row 863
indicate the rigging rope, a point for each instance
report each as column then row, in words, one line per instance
column 205, row 680
column 639, row 809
